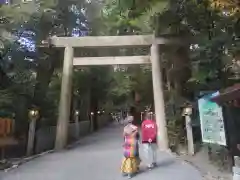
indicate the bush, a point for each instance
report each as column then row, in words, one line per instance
column 176, row 132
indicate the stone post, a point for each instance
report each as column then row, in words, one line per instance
column 159, row 99
column 65, row 100
column 188, row 125
column 31, row 136
column 77, row 127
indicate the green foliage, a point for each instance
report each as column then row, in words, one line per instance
column 122, row 84
column 30, row 79
column 120, row 89
column 176, row 132
column 130, row 17
column 215, row 34
column 6, row 98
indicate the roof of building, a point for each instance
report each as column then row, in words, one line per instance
column 229, row 94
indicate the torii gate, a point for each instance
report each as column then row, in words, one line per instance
column 69, row 43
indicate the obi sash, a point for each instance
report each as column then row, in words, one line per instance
column 130, row 146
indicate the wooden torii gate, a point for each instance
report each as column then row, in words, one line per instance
column 69, row 43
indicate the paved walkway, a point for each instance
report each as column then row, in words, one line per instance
column 98, row 157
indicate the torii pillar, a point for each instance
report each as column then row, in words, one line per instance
column 65, row 99
column 159, row 99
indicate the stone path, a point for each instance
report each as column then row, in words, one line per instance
column 98, row 157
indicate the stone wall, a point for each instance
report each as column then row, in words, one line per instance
column 45, row 137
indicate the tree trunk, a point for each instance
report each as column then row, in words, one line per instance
column 4, row 80
column 94, row 102
column 45, row 71
column 181, row 71
column 21, row 115
column 94, row 109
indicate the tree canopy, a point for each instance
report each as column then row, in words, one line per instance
column 32, row 72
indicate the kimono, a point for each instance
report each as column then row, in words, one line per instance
column 131, row 160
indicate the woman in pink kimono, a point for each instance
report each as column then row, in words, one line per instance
column 131, row 161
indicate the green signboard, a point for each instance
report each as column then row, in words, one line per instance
column 211, row 119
